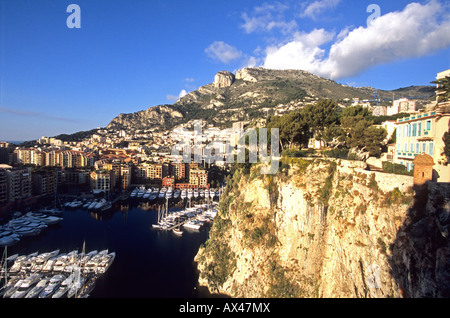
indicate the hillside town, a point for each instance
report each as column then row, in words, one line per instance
column 112, row 160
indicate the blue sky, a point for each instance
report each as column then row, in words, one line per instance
column 131, row 55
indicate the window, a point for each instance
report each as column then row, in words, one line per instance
column 405, row 149
column 417, row 148
column 424, row 147
column 414, row 130
column 411, row 148
column 420, row 127
column 428, row 124
column 430, row 149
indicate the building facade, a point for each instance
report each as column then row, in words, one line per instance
column 422, row 133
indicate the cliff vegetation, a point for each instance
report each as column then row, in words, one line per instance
column 327, row 228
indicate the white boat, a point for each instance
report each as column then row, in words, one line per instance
column 26, row 285
column 202, row 193
column 86, row 204
column 92, row 205
column 100, row 204
column 211, row 193
column 177, row 232
column 190, row 193
column 26, row 230
column 141, row 192
column 154, row 194
column 36, row 290
column 169, row 193
column 147, row 194
column 13, row 288
column 162, row 193
column 192, row 224
column 85, row 258
column 206, row 193
column 48, row 267
column 105, row 262
column 75, row 204
column 134, row 193
column 42, row 259
column 196, row 193
column 77, row 284
column 63, row 289
column 183, row 194
column 52, row 286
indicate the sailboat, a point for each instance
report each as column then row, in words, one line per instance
column 78, row 280
column 177, row 231
column 4, row 272
column 54, row 210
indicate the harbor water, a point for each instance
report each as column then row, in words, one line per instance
column 149, row 263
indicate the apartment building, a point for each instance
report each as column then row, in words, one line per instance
column 18, row 183
column 422, row 133
column 102, row 180
column 198, row 177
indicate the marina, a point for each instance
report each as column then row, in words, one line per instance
column 53, row 274
column 158, row 262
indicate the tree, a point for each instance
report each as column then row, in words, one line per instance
column 446, row 140
column 292, row 127
column 359, row 131
column 373, row 138
column 320, row 116
column 442, row 89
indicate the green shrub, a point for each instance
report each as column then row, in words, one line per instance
column 396, row 168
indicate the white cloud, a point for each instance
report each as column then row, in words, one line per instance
column 223, row 52
column 303, row 52
column 317, row 7
column 416, row 31
column 182, row 93
column 268, row 17
column 174, row 98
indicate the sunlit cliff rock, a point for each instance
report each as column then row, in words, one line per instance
column 321, row 228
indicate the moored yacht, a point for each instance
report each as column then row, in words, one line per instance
column 162, row 193
column 26, row 285
column 36, row 290
column 52, row 286
column 169, row 193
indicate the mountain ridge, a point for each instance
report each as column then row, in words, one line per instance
column 252, row 94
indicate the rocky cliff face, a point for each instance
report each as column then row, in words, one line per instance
column 223, row 79
column 325, row 229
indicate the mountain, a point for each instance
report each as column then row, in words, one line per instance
column 252, row 94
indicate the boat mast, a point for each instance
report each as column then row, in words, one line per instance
column 4, row 265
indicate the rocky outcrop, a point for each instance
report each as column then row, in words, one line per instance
column 223, row 79
column 163, row 115
column 320, row 229
column 244, row 74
